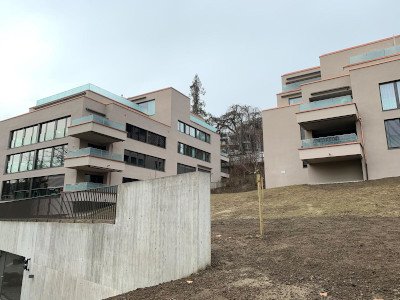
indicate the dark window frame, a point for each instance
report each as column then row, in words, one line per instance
column 35, row 160
column 194, row 152
column 386, row 133
column 159, row 163
column 197, row 132
column 396, row 92
column 145, row 136
column 39, row 132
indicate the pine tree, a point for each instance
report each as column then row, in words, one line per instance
column 196, row 91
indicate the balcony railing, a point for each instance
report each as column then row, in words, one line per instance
column 297, row 85
column 224, row 170
column 224, row 154
column 98, row 119
column 374, row 54
column 329, row 140
column 92, row 205
column 326, row 103
column 95, row 152
column 83, row 186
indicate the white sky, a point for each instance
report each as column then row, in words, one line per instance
column 238, row 48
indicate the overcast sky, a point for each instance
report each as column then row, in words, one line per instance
column 239, row 48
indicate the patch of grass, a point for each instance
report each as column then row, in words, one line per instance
column 367, row 198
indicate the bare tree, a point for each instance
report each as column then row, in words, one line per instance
column 196, row 91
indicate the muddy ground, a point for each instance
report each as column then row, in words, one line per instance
column 347, row 257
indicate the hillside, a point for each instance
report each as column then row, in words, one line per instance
column 338, row 239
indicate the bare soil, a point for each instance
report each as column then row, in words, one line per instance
column 342, row 240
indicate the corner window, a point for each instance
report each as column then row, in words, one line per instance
column 393, row 133
column 390, row 95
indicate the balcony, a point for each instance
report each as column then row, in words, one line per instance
column 334, row 108
column 92, row 159
column 297, row 85
column 83, row 186
column 374, row 54
column 97, row 130
column 331, row 148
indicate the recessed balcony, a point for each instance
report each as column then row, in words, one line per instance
column 92, row 159
column 328, row 109
column 97, row 130
column 331, row 148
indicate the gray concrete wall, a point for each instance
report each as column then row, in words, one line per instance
column 161, row 233
column 332, row 172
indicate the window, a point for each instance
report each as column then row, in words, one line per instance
column 224, row 166
column 32, row 187
column 181, row 169
column 144, row 161
column 393, row 133
column 38, row 159
column 294, row 100
column 194, row 132
column 94, row 178
column 145, row 136
column 193, row 152
column 127, row 179
column 40, row 133
column 390, row 95
column 149, row 106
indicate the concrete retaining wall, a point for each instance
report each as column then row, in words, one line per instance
column 161, row 233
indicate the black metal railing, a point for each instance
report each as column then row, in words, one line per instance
column 92, row 205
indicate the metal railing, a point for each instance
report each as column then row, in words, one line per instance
column 326, row 103
column 83, row 186
column 98, row 119
column 374, row 54
column 329, row 140
column 92, row 205
column 297, row 85
column 95, row 152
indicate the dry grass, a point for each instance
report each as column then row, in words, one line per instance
column 368, row 198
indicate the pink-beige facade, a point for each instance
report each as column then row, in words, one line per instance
column 89, row 138
column 339, row 121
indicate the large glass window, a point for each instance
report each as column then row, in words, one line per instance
column 193, row 152
column 393, row 133
column 38, row 159
column 390, row 95
column 32, row 187
column 145, row 136
column 194, row 132
column 40, row 132
column 144, row 161
column 149, row 106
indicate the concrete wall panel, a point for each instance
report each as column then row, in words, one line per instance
column 162, row 232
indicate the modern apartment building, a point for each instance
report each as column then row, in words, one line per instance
column 339, row 121
column 88, row 137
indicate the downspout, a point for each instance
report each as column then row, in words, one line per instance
column 363, row 146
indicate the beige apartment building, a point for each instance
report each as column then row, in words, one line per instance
column 87, row 138
column 339, row 121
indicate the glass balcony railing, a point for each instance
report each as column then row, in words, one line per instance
column 95, row 152
column 329, row 140
column 83, row 186
column 296, row 85
column 202, row 123
column 98, row 119
column 374, row 54
column 326, row 103
column 224, row 154
column 93, row 88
